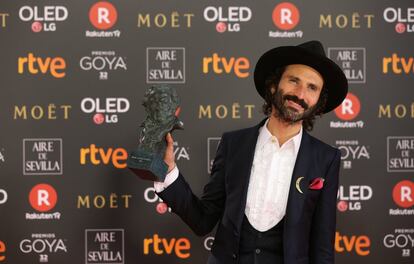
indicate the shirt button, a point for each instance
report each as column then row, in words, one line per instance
column 257, row 250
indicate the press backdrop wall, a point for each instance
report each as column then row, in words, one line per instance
column 73, row 75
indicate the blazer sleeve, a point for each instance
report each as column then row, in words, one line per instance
column 200, row 214
column 324, row 220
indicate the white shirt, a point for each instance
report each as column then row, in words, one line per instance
column 270, row 178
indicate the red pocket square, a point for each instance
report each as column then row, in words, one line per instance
column 316, row 184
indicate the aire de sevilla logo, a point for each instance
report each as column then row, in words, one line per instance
column 43, row 197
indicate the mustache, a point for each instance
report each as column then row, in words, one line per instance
column 295, row 99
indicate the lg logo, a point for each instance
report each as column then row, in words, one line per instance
column 151, row 197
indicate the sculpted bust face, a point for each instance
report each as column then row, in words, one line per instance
column 161, row 103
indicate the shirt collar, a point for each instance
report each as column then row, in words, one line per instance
column 265, row 136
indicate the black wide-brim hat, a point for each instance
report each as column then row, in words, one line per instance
column 312, row 54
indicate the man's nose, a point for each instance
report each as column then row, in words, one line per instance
column 300, row 91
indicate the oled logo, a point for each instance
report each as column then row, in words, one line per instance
column 160, row 20
column 112, row 201
column 348, row 110
column 351, row 198
column 402, row 238
column 403, row 20
column 179, row 247
column 234, row 111
column 2, row 251
column 398, row 65
column 3, row 196
column 103, row 62
column 39, row 112
column 403, row 196
column 104, row 246
column 165, row 65
column 42, row 156
column 44, row 18
column 286, row 17
column 3, row 19
column 212, row 146
column 35, row 65
column 358, row 244
column 400, row 154
column 227, row 19
column 43, row 198
column 44, row 245
column 105, row 110
column 344, row 21
column 103, row 16
column 221, row 65
column 351, row 150
column 151, row 197
column 352, row 61
column 117, row 157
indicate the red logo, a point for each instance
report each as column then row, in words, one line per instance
column 103, row 15
column 342, row 206
column 400, row 28
column 285, row 16
column 98, row 118
column 43, row 197
column 349, row 109
column 162, row 208
column 403, row 194
column 221, row 27
column 37, row 26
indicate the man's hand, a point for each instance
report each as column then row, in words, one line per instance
column 169, row 152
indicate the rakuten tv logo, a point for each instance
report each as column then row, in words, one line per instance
column 403, row 19
column 103, row 16
column 37, row 65
column 179, row 247
column 285, row 17
column 44, row 18
column 221, row 65
column 96, row 155
column 347, row 244
column 43, row 197
column 2, row 251
column 348, row 110
column 403, row 194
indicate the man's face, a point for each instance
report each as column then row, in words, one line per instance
column 298, row 93
column 161, row 107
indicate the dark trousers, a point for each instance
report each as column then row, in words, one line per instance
column 261, row 247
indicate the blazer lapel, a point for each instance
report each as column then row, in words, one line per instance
column 300, row 177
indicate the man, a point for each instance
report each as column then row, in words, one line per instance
column 273, row 187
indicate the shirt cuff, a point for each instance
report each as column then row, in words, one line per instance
column 169, row 179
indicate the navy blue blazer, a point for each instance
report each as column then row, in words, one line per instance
column 309, row 228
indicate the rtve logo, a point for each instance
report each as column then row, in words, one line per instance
column 103, row 15
column 180, row 247
column 2, row 251
column 403, row 194
column 349, row 109
column 397, row 65
column 55, row 66
column 359, row 244
column 285, row 16
column 97, row 156
column 43, row 197
column 239, row 66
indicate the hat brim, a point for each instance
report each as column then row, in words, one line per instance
column 334, row 78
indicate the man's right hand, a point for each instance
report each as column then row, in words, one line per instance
column 169, row 158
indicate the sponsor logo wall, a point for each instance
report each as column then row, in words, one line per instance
column 73, row 79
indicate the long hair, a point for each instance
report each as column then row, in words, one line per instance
column 273, row 81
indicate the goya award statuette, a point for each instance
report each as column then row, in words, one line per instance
column 162, row 107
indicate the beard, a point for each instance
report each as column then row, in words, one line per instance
column 287, row 113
